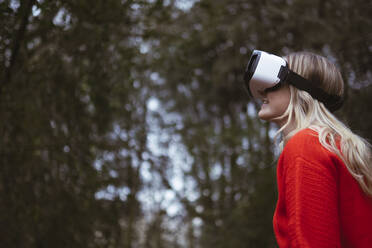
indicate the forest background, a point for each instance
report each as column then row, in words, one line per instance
column 125, row 123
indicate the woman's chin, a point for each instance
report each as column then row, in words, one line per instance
column 263, row 115
column 267, row 116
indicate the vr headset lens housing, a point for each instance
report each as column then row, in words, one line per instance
column 267, row 72
column 262, row 72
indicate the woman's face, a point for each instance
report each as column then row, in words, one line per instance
column 274, row 104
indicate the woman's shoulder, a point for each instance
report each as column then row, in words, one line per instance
column 305, row 143
column 305, row 146
column 302, row 139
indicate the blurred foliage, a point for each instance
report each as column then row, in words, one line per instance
column 204, row 52
column 74, row 124
column 77, row 129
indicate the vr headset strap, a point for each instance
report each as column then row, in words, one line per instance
column 332, row 102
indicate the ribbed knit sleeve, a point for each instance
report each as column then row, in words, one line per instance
column 319, row 204
column 311, row 204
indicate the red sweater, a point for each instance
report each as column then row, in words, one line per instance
column 319, row 204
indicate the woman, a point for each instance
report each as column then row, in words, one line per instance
column 324, row 173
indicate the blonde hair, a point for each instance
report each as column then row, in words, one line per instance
column 306, row 112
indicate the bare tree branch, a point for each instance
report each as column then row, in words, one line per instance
column 27, row 8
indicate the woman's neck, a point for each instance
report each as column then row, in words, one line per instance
column 289, row 127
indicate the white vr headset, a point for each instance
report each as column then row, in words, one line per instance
column 267, row 72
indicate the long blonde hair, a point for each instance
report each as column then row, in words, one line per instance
column 306, row 112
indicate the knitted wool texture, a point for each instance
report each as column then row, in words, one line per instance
column 319, row 203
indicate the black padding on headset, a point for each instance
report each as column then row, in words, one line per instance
column 251, row 67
